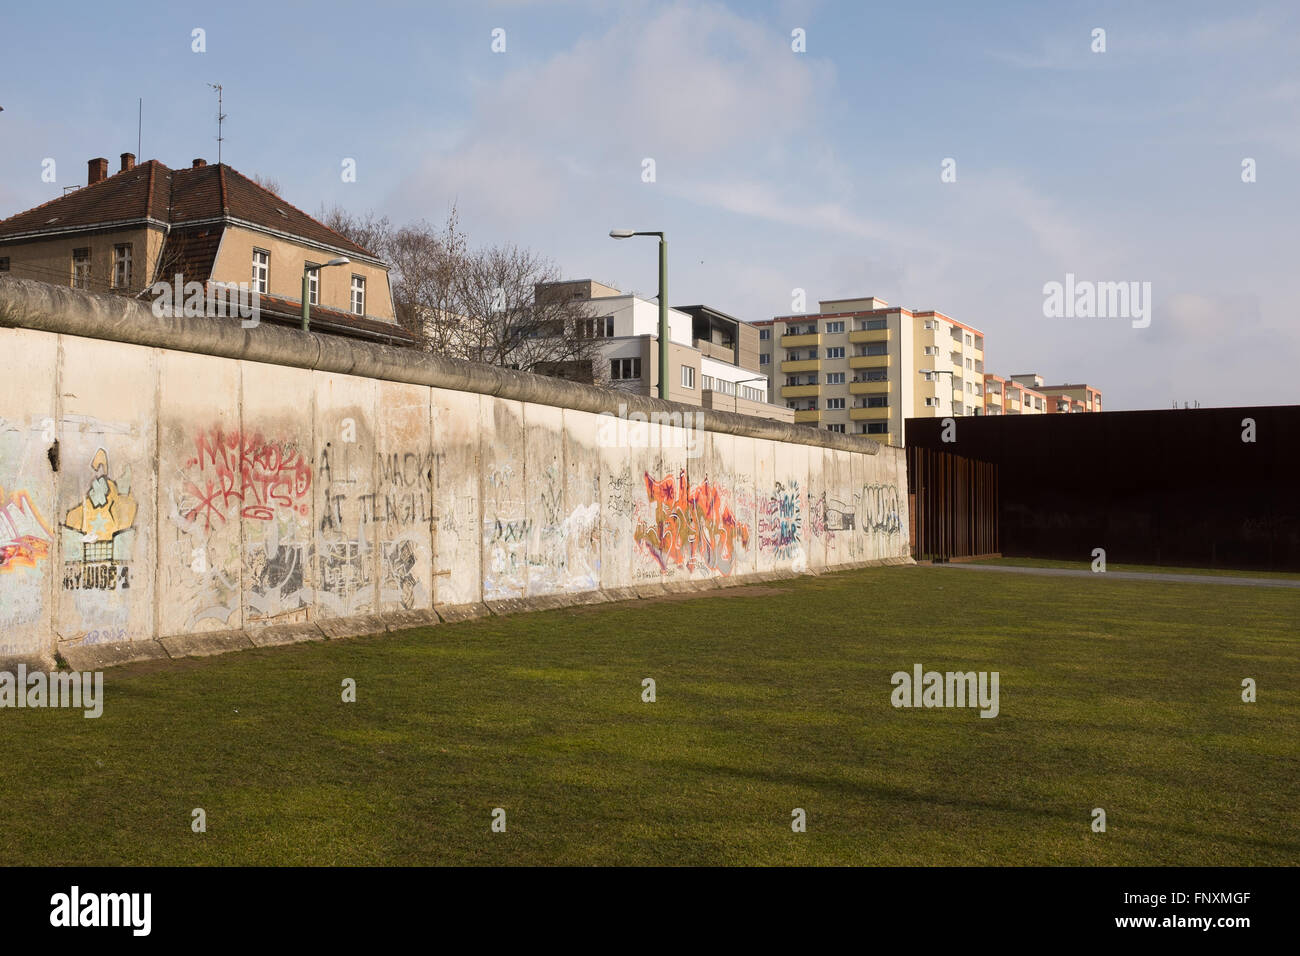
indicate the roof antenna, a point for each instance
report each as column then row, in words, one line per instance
column 139, row 128
column 220, row 119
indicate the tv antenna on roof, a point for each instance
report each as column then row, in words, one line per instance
column 220, row 119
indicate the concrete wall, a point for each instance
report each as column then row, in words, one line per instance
column 184, row 484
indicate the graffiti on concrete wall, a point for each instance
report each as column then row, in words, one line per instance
column 246, row 475
column 562, row 543
column 828, row 515
column 98, row 533
column 780, row 522
column 25, row 535
column 882, row 512
column 692, row 527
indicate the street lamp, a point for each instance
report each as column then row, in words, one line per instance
column 307, row 270
column 745, row 381
column 663, row 302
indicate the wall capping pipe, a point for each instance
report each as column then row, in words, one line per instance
column 27, row 304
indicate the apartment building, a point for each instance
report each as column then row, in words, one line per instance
column 1027, row 395
column 210, row 225
column 864, row 367
column 713, row 357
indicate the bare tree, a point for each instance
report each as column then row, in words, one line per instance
column 267, row 183
column 481, row 305
column 508, row 319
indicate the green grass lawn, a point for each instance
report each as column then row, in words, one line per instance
column 1114, row 694
column 1150, row 568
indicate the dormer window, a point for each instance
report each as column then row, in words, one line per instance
column 358, row 295
column 261, row 270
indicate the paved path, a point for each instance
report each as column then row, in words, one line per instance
column 1130, row 575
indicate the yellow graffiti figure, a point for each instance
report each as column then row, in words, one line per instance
column 104, row 512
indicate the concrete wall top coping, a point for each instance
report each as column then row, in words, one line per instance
column 27, row 304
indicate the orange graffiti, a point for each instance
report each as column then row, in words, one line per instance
column 21, row 524
column 692, row 526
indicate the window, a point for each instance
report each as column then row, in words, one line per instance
column 931, row 350
column 834, row 327
column 358, row 295
column 765, row 360
column 876, row 348
column 753, row 394
column 622, row 369
column 835, row 428
column 706, row 382
column 931, row 403
column 688, row 376
column 834, row 378
column 836, row 352
column 122, row 266
column 812, row 353
column 765, row 334
column 874, row 375
column 928, row 324
column 792, row 355
column 601, row 327
column 313, row 284
column 836, row 403
column 877, row 401
column 261, row 270
column 875, row 325
column 970, row 340
column 877, row 428
column 4, row 263
column 970, row 364
column 81, row 268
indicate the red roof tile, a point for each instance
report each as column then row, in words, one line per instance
column 176, row 197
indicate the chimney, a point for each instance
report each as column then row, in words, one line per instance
column 97, row 171
column 128, row 161
column 197, row 163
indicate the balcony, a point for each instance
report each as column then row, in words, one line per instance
column 801, row 365
column 862, row 336
column 868, row 361
column 868, row 414
column 800, row 340
column 800, row 391
column 807, row 415
column 869, row 388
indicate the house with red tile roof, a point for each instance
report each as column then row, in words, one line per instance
column 208, row 224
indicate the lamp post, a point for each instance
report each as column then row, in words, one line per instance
column 307, row 270
column 663, row 302
column 762, row 378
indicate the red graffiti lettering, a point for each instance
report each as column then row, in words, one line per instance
column 247, row 474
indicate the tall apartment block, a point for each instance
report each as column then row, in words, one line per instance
column 861, row 366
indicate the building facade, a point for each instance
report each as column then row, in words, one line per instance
column 210, row 225
column 864, row 367
column 714, row 358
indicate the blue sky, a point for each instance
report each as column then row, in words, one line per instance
column 775, row 170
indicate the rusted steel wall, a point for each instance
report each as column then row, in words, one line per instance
column 956, row 509
column 1209, row 487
